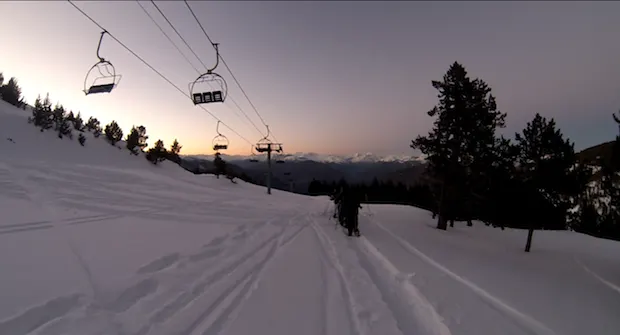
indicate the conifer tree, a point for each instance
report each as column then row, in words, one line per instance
column 545, row 163
column 136, row 140
column 42, row 116
column 78, row 122
column 173, row 153
column 113, row 132
column 157, row 153
column 462, row 135
column 12, row 93
column 82, row 139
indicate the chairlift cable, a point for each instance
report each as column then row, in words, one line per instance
column 201, row 62
column 152, row 68
column 227, row 67
column 179, row 34
column 168, row 37
column 185, row 57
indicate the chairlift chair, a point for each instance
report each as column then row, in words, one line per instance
column 220, row 142
column 253, row 158
column 104, row 83
column 204, row 96
column 280, row 158
column 264, row 143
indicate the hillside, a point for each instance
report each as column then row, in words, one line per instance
column 592, row 154
column 298, row 173
column 94, row 240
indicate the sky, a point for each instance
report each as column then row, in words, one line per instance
column 327, row 77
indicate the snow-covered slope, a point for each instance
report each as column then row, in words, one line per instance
column 94, row 240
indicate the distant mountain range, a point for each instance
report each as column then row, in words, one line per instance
column 355, row 158
column 294, row 172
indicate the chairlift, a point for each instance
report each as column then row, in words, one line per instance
column 280, row 157
column 210, row 78
column 104, row 82
column 253, row 158
column 220, row 142
column 264, row 143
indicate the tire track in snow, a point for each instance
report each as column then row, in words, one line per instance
column 21, row 230
column 7, row 228
column 245, row 283
column 205, row 283
column 330, row 253
column 231, row 312
column 414, row 314
column 159, row 264
column 131, row 296
column 525, row 321
column 37, row 316
column 325, row 264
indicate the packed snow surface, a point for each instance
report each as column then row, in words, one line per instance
column 94, row 240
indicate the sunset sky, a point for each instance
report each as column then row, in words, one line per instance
column 327, row 77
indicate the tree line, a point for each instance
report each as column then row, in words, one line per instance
column 64, row 123
column 418, row 195
column 535, row 181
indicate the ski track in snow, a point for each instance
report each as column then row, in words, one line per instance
column 602, row 280
column 369, row 311
column 31, row 319
column 248, row 283
column 239, row 292
column 527, row 322
column 203, row 255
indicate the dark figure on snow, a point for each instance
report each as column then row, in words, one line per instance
column 221, row 168
column 338, row 204
column 351, row 204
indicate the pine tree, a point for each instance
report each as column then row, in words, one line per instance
column 78, row 122
column 173, row 153
column 545, row 160
column 1, row 82
column 93, row 124
column 12, row 93
column 176, row 147
column 42, row 116
column 136, row 140
column 463, row 134
column 82, row 139
column 58, row 116
column 157, row 153
column 70, row 116
column 61, row 124
column 113, row 132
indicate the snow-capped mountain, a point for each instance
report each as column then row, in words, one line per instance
column 301, row 156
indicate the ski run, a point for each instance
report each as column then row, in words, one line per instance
column 94, row 240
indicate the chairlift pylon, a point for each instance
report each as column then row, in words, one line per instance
column 104, row 83
column 220, row 142
column 206, row 96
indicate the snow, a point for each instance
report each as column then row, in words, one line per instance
column 94, row 240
